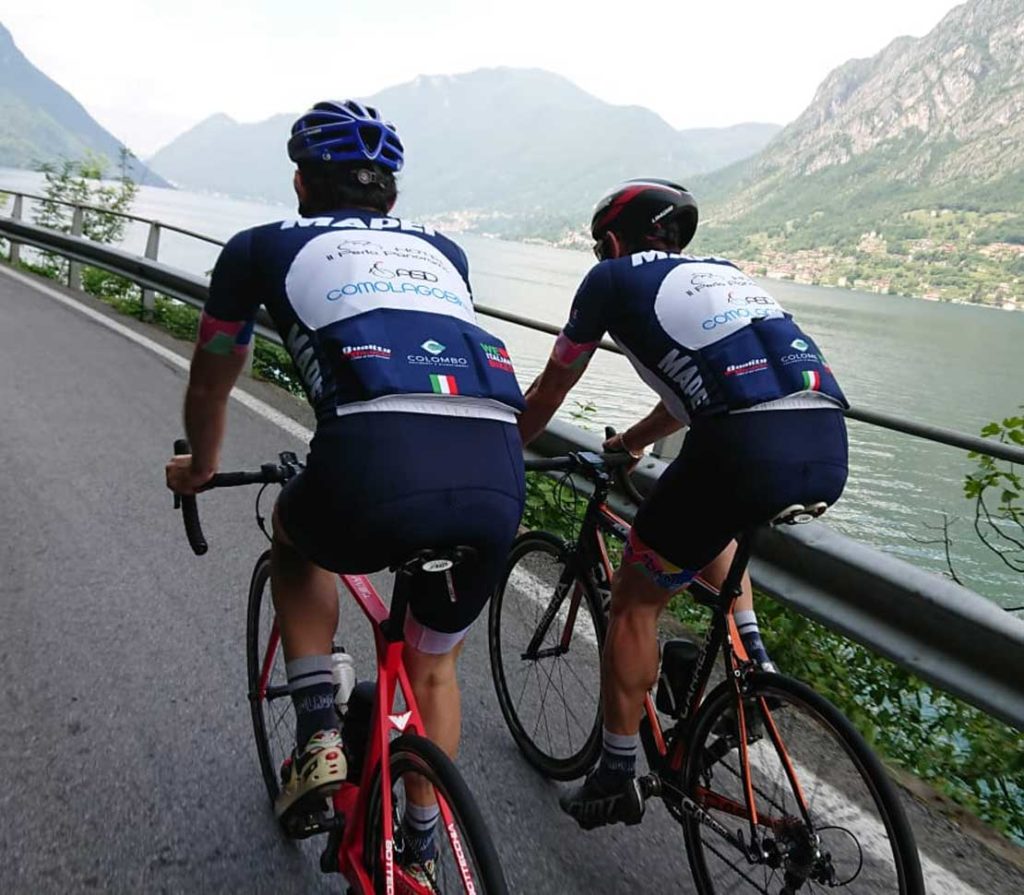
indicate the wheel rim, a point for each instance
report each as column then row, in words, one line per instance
column 274, row 716
column 849, row 844
column 451, row 839
column 551, row 702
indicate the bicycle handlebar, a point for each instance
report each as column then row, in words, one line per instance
column 269, row 473
column 585, row 462
column 189, row 510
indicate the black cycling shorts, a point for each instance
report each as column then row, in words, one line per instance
column 738, row 470
column 380, row 486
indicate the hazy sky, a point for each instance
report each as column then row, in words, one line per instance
column 149, row 69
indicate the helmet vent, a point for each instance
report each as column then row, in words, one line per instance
column 371, row 138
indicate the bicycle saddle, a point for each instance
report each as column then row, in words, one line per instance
column 436, row 559
column 798, row 513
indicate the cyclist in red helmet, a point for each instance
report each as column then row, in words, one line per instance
column 766, row 431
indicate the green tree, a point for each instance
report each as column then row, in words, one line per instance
column 996, row 489
column 70, row 183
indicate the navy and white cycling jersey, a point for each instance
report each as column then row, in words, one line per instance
column 700, row 332
column 376, row 312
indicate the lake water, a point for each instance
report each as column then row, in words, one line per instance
column 956, row 366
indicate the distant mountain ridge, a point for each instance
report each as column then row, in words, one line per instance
column 516, row 149
column 930, row 122
column 905, row 174
column 40, row 121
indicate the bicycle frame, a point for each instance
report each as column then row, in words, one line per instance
column 351, row 801
column 669, row 748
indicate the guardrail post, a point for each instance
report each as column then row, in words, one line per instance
column 75, row 267
column 15, row 255
column 152, row 250
column 668, row 448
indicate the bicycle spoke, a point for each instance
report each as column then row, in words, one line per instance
column 848, row 843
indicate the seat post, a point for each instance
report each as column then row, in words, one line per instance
column 394, row 627
column 744, row 547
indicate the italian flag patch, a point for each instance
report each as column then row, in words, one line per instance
column 443, row 385
column 812, row 380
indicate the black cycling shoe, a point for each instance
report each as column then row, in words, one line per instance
column 598, row 802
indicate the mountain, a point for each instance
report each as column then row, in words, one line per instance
column 919, row 147
column 40, row 121
column 513, row 149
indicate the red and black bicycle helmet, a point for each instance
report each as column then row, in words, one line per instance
column 641, row 208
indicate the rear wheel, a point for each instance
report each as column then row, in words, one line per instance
column 273, row 717
column 545, row 631
column 466, row 861
column 828, row 816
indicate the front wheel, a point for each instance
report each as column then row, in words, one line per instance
column 545, row 630
column 827, row 815
column 466, row 859
column 273, row 718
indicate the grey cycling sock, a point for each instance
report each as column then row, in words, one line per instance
column 418, row 824
column 618, row 754
column 746, row 622
column 312, row 688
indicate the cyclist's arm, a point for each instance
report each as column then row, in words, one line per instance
column 659, row 423
column 222, row 345
column 211, row 378
column 563, row 370
column 573, row 349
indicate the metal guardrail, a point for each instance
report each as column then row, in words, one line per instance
column 947, row 634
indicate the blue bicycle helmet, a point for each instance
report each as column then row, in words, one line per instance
column 345, row 131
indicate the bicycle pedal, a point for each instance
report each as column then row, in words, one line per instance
column 304, row 824
column 650, row 786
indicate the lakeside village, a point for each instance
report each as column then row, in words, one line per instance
column 928, row 268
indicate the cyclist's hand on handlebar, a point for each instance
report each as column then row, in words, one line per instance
column 615, row 445
column 182, row 478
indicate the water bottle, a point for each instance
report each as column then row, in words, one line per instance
column 344, row 672
column 678, row 661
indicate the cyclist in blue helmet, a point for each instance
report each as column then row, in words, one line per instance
column 415, row 445
column 766, row 431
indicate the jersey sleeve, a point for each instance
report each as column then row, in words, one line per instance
column 229, row 314
column 588, row 317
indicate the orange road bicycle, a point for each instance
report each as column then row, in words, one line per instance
column 384, row 743
column 773, row 788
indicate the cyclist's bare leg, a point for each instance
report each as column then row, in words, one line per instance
column 305, row 599
column 436, row 688
column 715, row 571
column 630, row 662
column 630, row 665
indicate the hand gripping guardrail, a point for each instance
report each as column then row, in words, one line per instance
column 943, row 632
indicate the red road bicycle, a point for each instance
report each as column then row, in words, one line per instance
column 361, row 821
column 773, row 788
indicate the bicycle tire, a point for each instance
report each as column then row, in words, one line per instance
column 536, row 563
column 273, row 731
column 411, row 753
column 806, row 723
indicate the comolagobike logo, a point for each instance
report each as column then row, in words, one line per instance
column 369, row 288
column 734, row 314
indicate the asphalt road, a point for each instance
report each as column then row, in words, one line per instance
column 124, row 727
